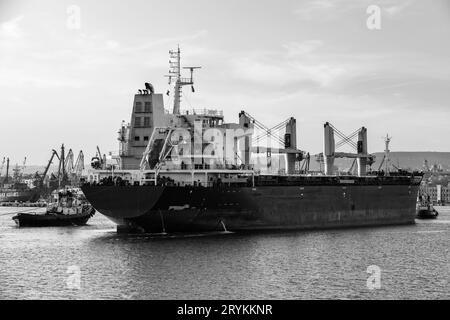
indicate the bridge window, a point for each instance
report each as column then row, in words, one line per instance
column 145, row 138
column 136, row 138
column 148, row 106
column 138, row 107
column 146, row 121
column 137, row 122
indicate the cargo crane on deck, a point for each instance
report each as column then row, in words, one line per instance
column 286, row 145
column 361, row 158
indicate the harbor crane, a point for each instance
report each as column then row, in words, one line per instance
column 54, row 153
column 77, row 169
column 79, row 165
column 24, row 164
column 22, row 170
column 68, row 163
column 67, row 170
column 74, row 170
column 2, row 165
column 99, row 161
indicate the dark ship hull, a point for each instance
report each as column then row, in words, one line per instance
column 427, row 213
column 304, row 203
column 50, row 219
column 17, row 196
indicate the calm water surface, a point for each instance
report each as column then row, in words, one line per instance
column 35, row 263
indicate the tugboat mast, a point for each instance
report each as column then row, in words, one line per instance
column 175, row 72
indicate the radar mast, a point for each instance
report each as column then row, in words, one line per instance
column 387, row 152
column 175, row 75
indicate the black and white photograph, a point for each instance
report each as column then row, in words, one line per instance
column 224, row 155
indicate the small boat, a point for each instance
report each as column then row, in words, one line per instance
column 425, row 209
column 68, row 207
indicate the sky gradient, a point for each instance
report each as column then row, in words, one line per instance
column 314, row 60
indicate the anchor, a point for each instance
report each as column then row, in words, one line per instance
column 162, row 224
column 224, row 227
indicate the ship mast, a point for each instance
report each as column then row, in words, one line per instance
column 175, row 73
column 387, row 160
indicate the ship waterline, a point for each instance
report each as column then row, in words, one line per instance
column 158, row 209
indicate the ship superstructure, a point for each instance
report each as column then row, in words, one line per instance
column 192, row 171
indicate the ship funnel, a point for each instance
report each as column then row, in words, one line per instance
column 149, row 87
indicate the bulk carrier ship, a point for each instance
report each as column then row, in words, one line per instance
column 189, row 171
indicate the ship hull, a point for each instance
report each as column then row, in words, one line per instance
column 157, row 209
column 53, row 219
column 18, row 196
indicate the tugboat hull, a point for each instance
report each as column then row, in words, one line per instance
column 427, row 214
column 53, row 219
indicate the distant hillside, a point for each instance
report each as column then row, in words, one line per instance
column 404, row 160
column 415, row 160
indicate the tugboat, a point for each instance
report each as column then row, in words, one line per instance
column 425, row 209
column 68, row 207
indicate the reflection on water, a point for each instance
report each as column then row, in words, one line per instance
column 414, row 262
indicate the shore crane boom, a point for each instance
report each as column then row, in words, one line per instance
column 2, row 165
column 54, row 153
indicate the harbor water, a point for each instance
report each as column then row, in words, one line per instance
column 94, row 262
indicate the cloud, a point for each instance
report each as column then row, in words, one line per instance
column 305, row 47
column 295, row 64
column 397, row 8
column 334, row 9
column 72, row 59
column 11, row 28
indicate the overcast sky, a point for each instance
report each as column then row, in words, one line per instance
column 314, row 60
